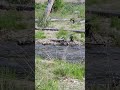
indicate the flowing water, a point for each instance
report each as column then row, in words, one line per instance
column 69, row 53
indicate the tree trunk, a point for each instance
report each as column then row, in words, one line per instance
column 47, row 13
column 49, row 8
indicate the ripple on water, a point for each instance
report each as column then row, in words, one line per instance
column 70, row 53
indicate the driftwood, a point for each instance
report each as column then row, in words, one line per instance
column 17, row 7
column 63, row 20
column 107, row 13
column 57, row 40
column 55, row 29
column 53, row 20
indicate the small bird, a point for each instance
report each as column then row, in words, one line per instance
column 71, row 38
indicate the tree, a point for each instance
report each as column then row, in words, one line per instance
column 49, row 8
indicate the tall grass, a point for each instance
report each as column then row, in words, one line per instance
column 11, row 20
column 40, row 35
column 115, row 22
column 9, row 80
column 65, row 69
column 58, row 4
column 49, row 73
column 66, row 10
column 69, row 9
column 63, row 34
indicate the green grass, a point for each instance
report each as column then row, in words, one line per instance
column 49, row 73
column 7, row 73
column 58, row 4
column 65, row 69
column 10, row 81
column 12, row 20
column 62, row 34
column 115, row 22
column 67, row 10
column 40, row 35
column 39, row 9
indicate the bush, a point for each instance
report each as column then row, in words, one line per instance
column 62, row 34
column 58, row 4
column 10, row 21
column 115, row 22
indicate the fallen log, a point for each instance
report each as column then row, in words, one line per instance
column 57, row 40
column 107, row 13
column 53, row 20
column 62, row 20
column 55, row 29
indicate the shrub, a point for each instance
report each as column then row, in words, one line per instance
column 62, row 34
column 115, row 22
column 10, row 21
column 58, row 4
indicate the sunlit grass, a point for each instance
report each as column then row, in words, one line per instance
column 48, row 73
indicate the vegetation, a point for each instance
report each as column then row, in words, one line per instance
column 59, row 10
column 70, row 9
column 66, row 10
column 115, row 22
column 40, row 35
column 58, row 4
column 108, row 31
column 63, row 34
column 13, row 20
column 49, row 73
column 10, row 81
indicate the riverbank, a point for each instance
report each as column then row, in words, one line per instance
column 59, row 75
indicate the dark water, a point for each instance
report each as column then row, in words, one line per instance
column 69, row 53
column 17, row 59
column 102, row 65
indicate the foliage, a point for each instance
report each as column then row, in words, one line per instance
column 43, row 21
column 12, row 21
column 40, row 35
column 39, row 14
column 58, row 4
column 48, row 73
column 7, row 73
column 66, row 10
column 68, row 69
column 115, row 22
column 79, row 37
column 62, row 34
column 70, row 9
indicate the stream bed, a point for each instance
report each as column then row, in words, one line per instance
column 69, row 53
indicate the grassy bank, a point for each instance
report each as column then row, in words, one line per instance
column 52, row 75
column 68, row 10
column 9, row 80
